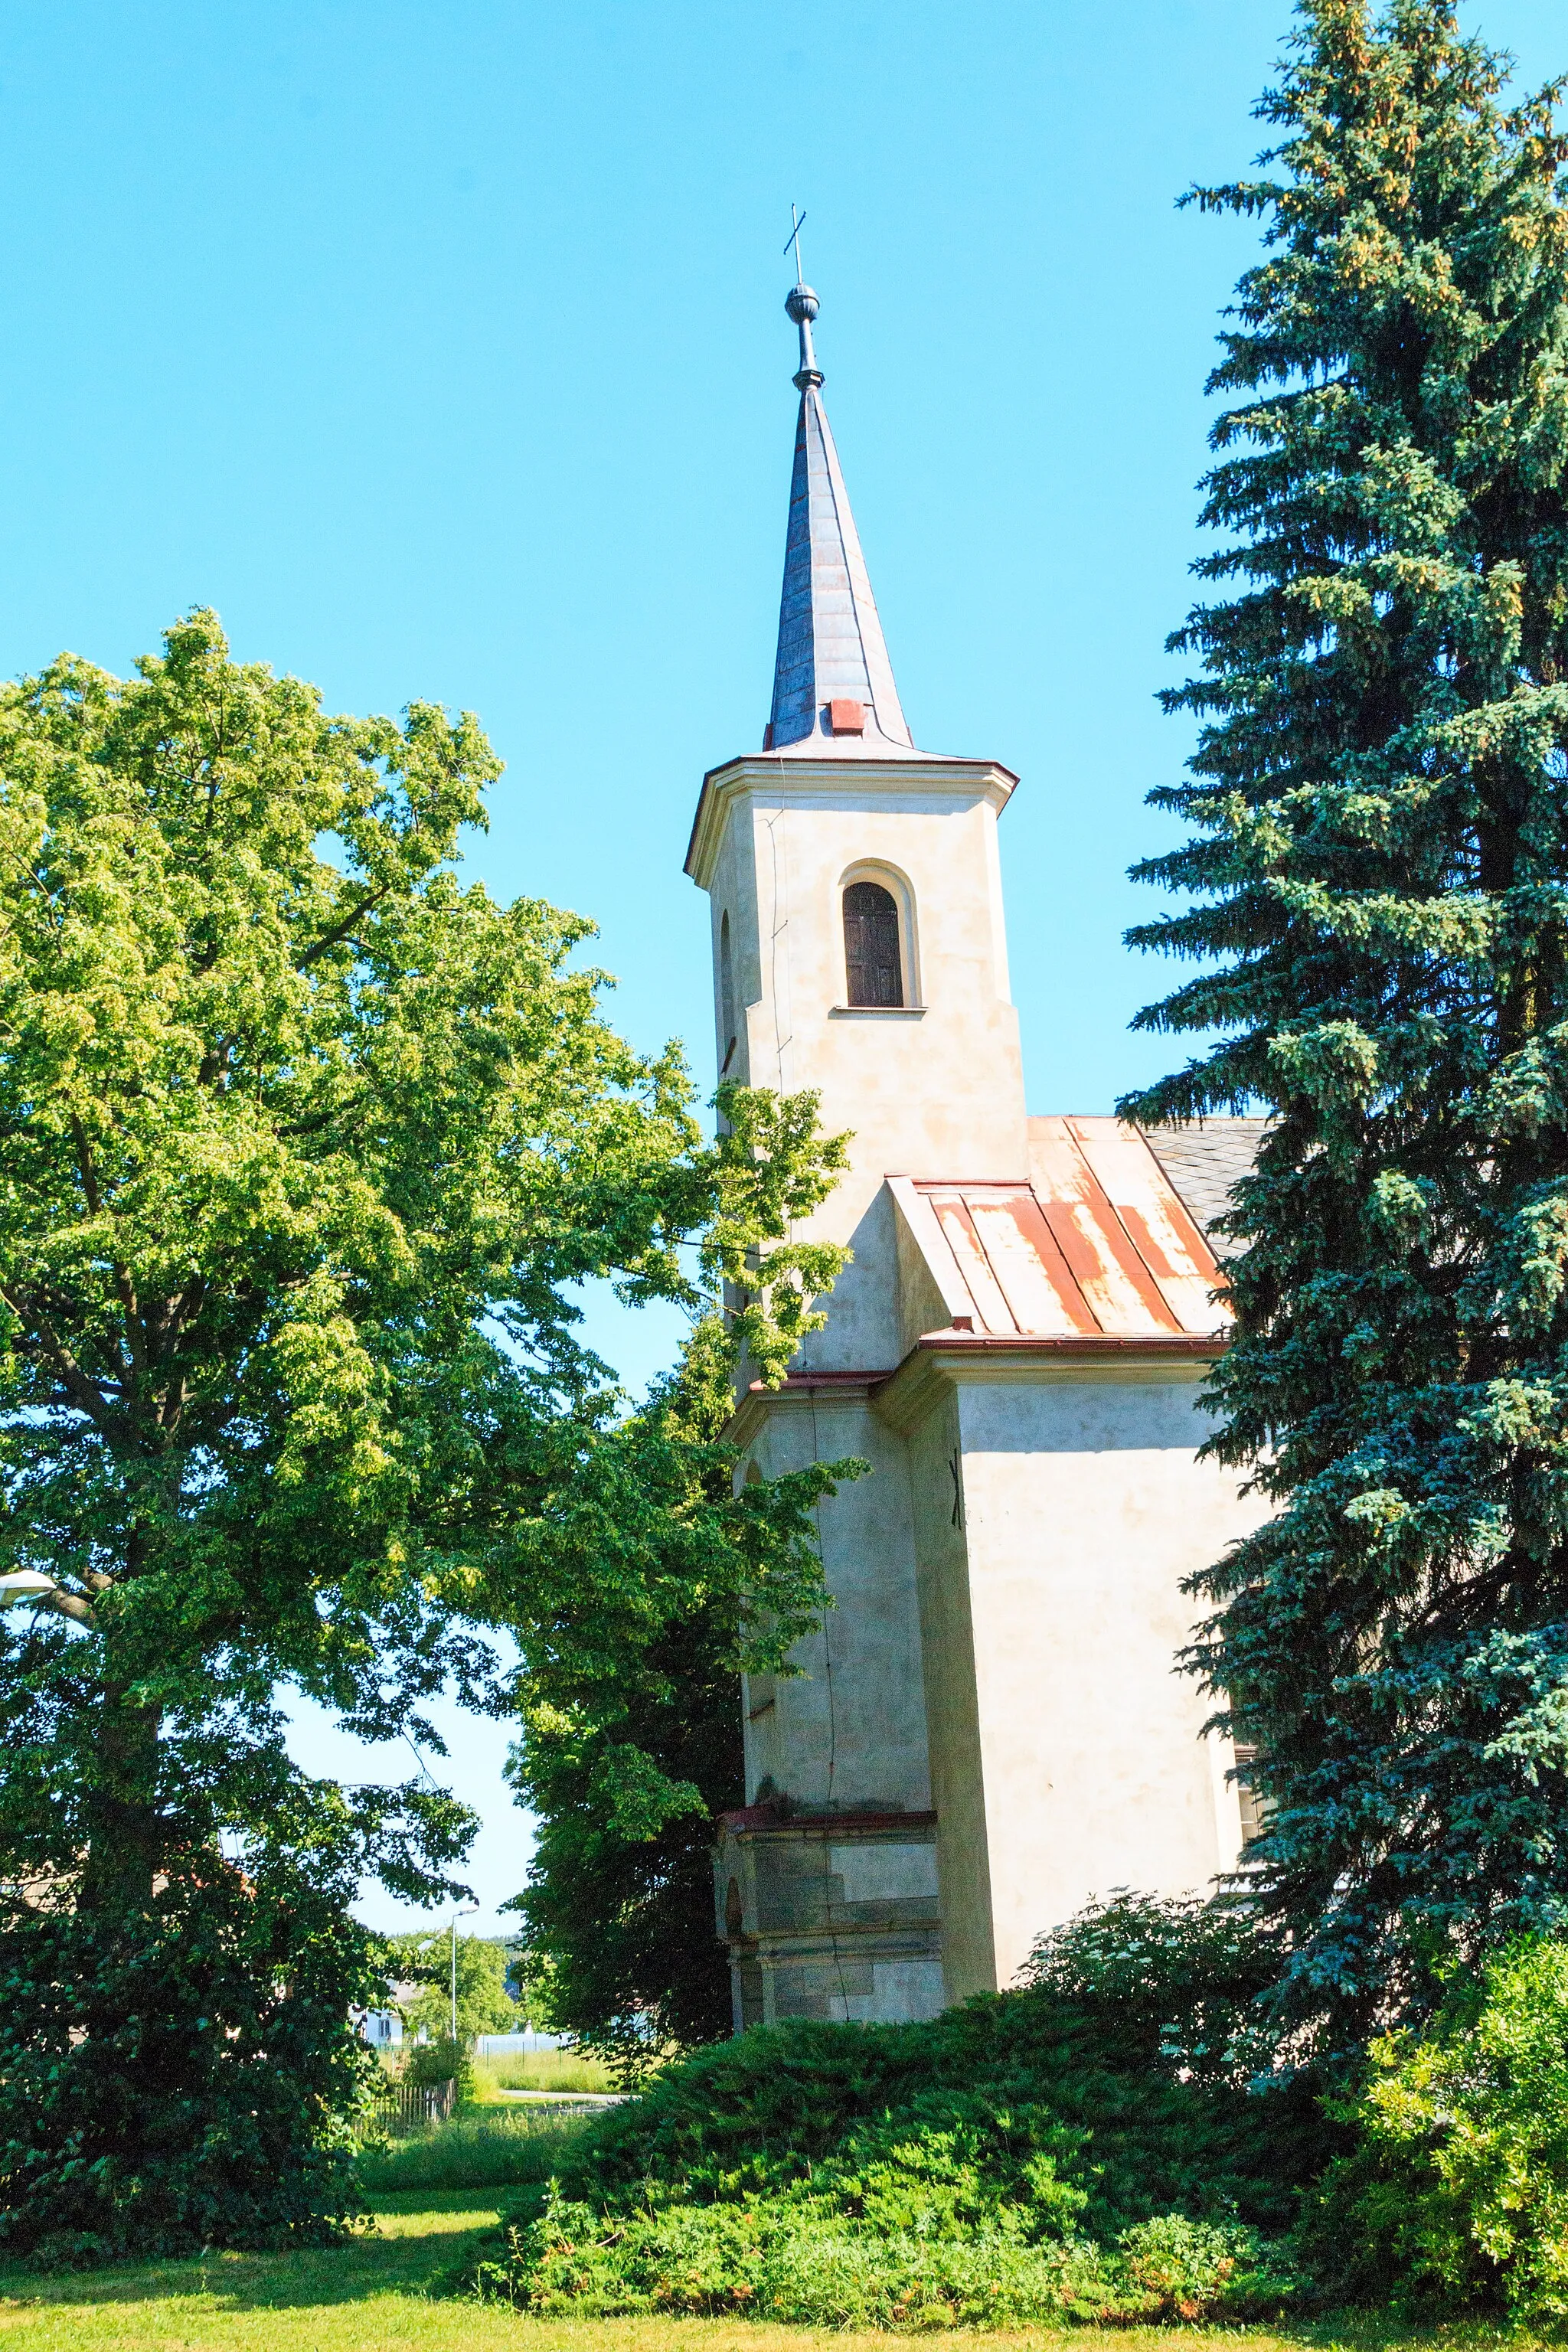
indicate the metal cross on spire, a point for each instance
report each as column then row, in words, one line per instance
column 797, row 221
column 802, row 305
column 831, row 654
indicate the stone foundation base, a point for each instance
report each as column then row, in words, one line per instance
column 831, row 1915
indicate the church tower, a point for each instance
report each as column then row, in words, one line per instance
column 1015, row 1348
column 860, row 946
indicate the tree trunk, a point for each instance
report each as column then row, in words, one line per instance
column 123, row 1844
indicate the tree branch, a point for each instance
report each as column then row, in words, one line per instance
column 82, row 1391
column 340, row 932
column 64, row 1604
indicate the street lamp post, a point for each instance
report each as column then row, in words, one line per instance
column 462, row 1911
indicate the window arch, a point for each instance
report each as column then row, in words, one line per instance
column 873, row 950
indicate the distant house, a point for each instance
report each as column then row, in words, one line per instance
column 382, row 2028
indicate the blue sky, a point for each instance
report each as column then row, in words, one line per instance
column 442, row 350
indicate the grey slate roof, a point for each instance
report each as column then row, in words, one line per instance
column 1203, row 1161
column 830, row 640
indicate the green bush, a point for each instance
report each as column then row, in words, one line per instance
column 1124, row 2059
column 788, row 2261
column 1088, row 2147
column 485, row 2150
column 429, row 2065
column 180, row 2079
column 1456, row 2192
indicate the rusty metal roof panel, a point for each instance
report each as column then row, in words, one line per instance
column 1001, row 1246
column 1098, row 1244
column 1154, row 1217
column 992, row 1312
column 1112, row 1276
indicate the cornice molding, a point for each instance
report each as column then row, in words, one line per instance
column 793, row 776
column 942, row 1360
column 801, row 1392
column 768, row 1821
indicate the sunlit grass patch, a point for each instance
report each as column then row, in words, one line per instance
column 541, row 2070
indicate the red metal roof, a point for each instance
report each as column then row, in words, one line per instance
column 1096, row 1245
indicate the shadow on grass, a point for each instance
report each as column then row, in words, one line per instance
column 421, row 2238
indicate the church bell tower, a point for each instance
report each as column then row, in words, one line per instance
column 860, row 946
column 859, row 949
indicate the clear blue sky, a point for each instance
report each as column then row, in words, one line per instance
column 442, row 350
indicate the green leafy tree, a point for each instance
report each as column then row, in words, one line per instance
column 486, row 2002
column 306, row 1146
column 618, row 1910
column 1377, row 889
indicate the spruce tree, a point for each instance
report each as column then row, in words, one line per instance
column 1375, row 892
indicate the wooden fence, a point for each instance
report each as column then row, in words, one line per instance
column 410, row 2106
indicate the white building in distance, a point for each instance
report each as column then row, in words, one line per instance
column 990, row 1727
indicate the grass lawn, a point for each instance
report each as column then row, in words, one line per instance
column 372, row 2296
column 540, row 2069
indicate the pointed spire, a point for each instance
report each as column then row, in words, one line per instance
column 833, row 682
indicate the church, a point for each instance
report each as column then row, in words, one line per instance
column 990, row 1727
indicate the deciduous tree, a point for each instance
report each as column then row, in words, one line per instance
column 618, row 1908
column 306, row 1145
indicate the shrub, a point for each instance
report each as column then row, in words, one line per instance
column 1180, row 1975
column 440, row 2060
column 1203, row 2270
column 1131, row 2062
column 787, row 2261
column 1045, row 2154
column 182, row 2080
column 1459, row 2187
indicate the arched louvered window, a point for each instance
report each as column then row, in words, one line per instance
column 726, row 997
column 871, row 955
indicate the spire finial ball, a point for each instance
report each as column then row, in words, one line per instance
column 802, row 304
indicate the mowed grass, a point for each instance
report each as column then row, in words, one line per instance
column 378, row 2294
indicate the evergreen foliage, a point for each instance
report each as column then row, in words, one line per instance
column 305, row 1153
column 1086, row 2147
column 1377, row 889
column 815, row 2260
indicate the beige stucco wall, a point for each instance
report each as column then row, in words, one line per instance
column 957, row 1763
column 1083, row 1510
column 848, row 1730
